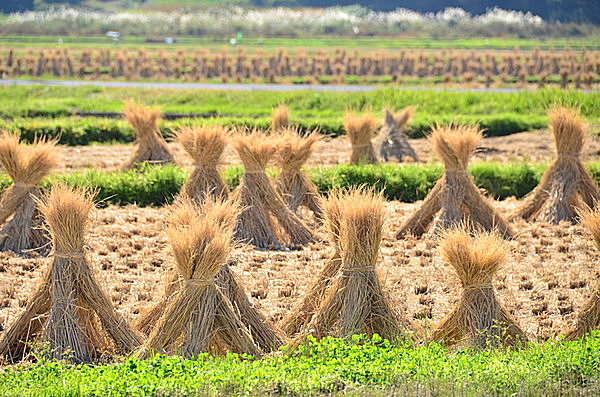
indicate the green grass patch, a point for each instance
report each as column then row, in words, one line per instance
column 356, row 366
column 157, row 185
column 89, row 130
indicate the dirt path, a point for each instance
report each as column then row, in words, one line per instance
column 527, row 146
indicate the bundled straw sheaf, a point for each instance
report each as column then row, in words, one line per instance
column 68, row 307
column 455, row 196
column 151, row 147
column 198, row 317
column 361, row 130
column 392, row 142
column 280, row 118
column 479, row 319
column 589, row 317
column 264, row 211
column 567, row 184
column 26, row 166
column 303, row 313
column 293, row 184
column 356, row 302
column 262, row 331
column 205, row 145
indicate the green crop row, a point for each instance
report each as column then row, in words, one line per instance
column 88, row 130
column 157, row 185
column 358, row 366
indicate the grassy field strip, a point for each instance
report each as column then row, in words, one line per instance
column 158, row 185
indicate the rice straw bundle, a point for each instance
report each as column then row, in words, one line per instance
column 455, row 195
column 205, row 145
column 356, row 303
column 67, row 301
column 260, row 328
column 293, row 184
column 280, row 118
column 263, row 209
column 198, row 317
column 589, row 317
column 360, row 130
column 479, row 317
column 566, row 184
column 303, row 312
column 151, row 147
column 26, row 166
column 392, row 142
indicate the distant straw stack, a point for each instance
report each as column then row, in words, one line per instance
column 151, row 147
column 567, row 184
column 589, row 317
column 263, row 210
column 303, row 313
column 392, row 141
column 26, row 166
column 361, row 130
column 293, row 184
column 280, row 118
column 265, row 335
column 205, row 145
column 479, row 319
column 198, row 317
column 68, row 307
column 355, row 302
column 455, row 196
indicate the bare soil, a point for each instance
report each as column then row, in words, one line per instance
column 537, row 146
column 552, row 270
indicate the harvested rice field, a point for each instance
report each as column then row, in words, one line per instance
column 547, row 279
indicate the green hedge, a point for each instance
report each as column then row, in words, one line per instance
column 157, row 185
column 88, row 130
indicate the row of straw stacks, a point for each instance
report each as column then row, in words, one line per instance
column 208, row 311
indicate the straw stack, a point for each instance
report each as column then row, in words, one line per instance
column 589, row 317
column 293, row 184
column 26, row 166
column 455, row 196
column 68, row 307
column 567, row 184
column 198, row 317
column 479, row 319
column 151, row 147
column 280, row 118
column 263, row 210
column 265, row 335
column 361, row 130
column 205, row 145
column 392, row 142
column 356, row 302
column 303, row 313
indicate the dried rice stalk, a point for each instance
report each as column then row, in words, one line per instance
column 392, row 142
column 589, row 317
column 360, row 130
column 262, row 331
column 479, row 317
column 293, row 184
column 262, row 205
column 199, row 316
column 455, row 195
column 566, row 184
column 280, row 118
column 205, row 145
column 355, row 302
column 151, row 147
column 69, row 293
column 26, row 166
column 303, row 313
